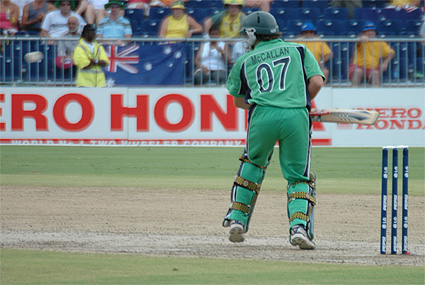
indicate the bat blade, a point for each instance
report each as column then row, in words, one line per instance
column 347, row 116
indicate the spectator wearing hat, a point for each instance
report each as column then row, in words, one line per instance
column 115, row 26
column 228, row 21
column 178, row 24
column 90, row 57
column 370, row 58
column 319, row 49
column 55, row 23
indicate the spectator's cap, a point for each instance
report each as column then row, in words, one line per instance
column 234, row 2
column 177, row 5
column 308, row 27
column 58, row 3
column 115, row 2
column 369, row 26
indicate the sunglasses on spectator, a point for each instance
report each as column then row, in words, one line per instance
column 65, row 4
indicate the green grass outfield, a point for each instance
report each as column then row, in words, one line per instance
column 339, row 170
column 40, row 267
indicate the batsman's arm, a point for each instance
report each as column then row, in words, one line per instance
column 240, row 103
column 315, row 83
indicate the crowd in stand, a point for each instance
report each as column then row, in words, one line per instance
column 298, row 19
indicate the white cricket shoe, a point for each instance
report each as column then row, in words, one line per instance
column 299, row 237
column 236, row 231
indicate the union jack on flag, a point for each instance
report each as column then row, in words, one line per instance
column 122, row 58
column 147, row 65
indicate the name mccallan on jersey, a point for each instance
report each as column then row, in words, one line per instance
column 276, row 53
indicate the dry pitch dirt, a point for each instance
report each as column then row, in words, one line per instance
column 167, row 222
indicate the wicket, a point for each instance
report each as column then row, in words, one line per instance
column 384, row 199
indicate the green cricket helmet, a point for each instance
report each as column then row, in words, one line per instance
column 264, row 23
column 259, row 23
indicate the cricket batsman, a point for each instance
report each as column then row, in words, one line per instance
column 276, row 82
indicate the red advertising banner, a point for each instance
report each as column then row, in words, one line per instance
column 188, row 117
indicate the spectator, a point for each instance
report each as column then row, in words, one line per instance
column 140, row 4
column 349, row 4
column 229, row 21
column 9, row 17
column 320, row 50
column 263, row 5
column 164, row 3
column 95, row 11
column 65, row 48
column 115, row 26
column 179, row 24
column 367, row 57
column 55, row 23
column 21, row 4
column 212, row 59
column 239, row 48
column 405, row 3
column 33, row 15
column 90, row 57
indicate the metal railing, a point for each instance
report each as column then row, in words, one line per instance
column 406, row 69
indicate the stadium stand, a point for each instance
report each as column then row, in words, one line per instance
column 285, row 4
column 335, row 13
column 321, row 4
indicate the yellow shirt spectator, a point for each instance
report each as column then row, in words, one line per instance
column 229, row 21
column 369, row 54
column 177, row 28
column 179, row 24
column 319, row 49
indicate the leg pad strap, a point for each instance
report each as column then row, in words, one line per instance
column 241, row 207
column 240, row 181
column 302, row 195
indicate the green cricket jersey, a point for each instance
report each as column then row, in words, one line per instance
column 275, row 74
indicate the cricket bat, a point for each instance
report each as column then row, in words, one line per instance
column 346, row 116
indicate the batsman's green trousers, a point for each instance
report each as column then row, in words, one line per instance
column 291, row 128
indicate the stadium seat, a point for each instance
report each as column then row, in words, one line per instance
column 390, row 14
column 340, row 62
column 308, row 14
column 150, row 27
column 199, row 13
column 411, row 14
column 335, row 14
column 293, row 28
column 389, row 28
column 249, row 10
column 328, row 27
column 411, row 27
column 354, row 28
column 368, row 14
column 283, row 14
column 158, row 13
column 202, row 4
column 285, row 4
column 397, row 70
column 321, row 4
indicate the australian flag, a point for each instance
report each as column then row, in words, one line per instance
column 160, row 64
